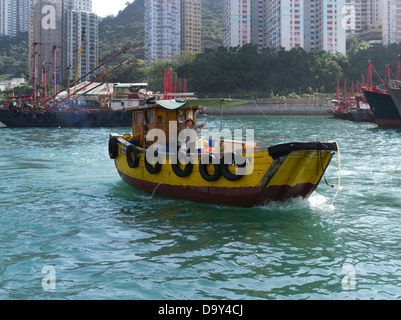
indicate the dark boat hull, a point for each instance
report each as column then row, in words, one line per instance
column 396, row 96
column 362, row 115
column 68, row 119
column 245, row 197
column 383, row 108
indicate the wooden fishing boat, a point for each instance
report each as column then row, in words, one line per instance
column 85, row 117
column 240, row 173
column 361, row 111
column 19, row 111
column 72, row 106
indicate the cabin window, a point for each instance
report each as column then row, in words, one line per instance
column 182, row 118
column 150, row 116
column 160, row 117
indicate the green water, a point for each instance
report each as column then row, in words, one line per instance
column 64, row 207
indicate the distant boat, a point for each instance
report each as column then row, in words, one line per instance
column 76, row 105
column 355, row 108
column 18, row 111
column 88, row 116
column 361, row 112
column 340, row 110
column 383, row 107
column 380, row 101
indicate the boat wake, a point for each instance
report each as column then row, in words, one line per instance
column 316, row 202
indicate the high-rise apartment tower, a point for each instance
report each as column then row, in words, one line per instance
column 14, row 16
column 391, row 19
column 310, row 24
column 171, row 27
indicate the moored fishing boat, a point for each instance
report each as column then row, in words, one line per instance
column 355, row 108
column 19, row 111
column 88, row 116
column 380, row 101
column 161, row 157
column 383, row 107
column 361, row 111
column 340, row 110
column 395, row 94
column 73, row 105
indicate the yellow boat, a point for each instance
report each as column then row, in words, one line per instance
column 160, row 157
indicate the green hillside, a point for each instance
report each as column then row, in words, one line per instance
column 14, row 60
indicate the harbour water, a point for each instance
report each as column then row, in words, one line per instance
column 71, row 229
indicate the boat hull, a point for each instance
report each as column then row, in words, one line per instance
column 72, row 119
column 384, row 109
column 229, row 196
column 362, row 115
column 279, row 173
column 396, row 96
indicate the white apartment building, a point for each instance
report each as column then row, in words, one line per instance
column 285, row 24
column 391, row 19
column 80, row 27
column 162, row 29
column 14, row 16
column 85, row 5
column 360, row 14
column 314, row 25
column 324, row 26
column 237, row 23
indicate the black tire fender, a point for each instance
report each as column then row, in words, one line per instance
column 113, row 148
column 132, row 154
column 203, row 169
column 182, row 173
column 237, row 160
column 152, row 169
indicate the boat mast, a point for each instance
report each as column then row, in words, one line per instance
column 54, row 70
column 79, row 59
column 92, row 82
column 345, row 90
column 102, row 83
column 44, row 84
column 69, row 68
column 338, row 90
column 35, row 45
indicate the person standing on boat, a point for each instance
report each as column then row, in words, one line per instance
column 189, row 124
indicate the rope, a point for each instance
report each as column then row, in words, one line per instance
column 321, row 164
column 339, row 170
column 256, row 140
column 261, row 110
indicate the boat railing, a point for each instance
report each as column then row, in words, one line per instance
column 394, row 84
